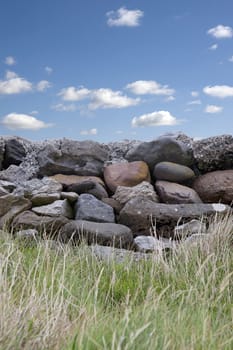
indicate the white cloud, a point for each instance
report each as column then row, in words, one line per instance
column 73, row 94
column 213, row 47
column 194, row 93
column 106, row 98
column 231, row 59
column 43, row 85
column 13, row 84
column 15, row 121
column 60, row 107
column 170, row 98
column 220, row 91
column 194, row 102
column 213, row 109
column 34, row 112
column 124, row 18
column 221, row 32
column 157, row 118
column 89, row 132
column 149, row 87
column 10, row 61
column 48, row 70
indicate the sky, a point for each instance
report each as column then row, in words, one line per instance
column 111, row 70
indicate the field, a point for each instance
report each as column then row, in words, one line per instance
column 64, row 298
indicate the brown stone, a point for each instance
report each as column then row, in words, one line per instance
column 10, row 206
column 126, row 174
column 67, row 180
column 216, row 186
column 172, row 193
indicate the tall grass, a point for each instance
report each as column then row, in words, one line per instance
column 67, row 299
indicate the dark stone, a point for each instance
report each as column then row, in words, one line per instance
column 2, row 151
column 173, row 172
column 10, row 206
column 172, row 193
column 14, row 152
column 90, row 187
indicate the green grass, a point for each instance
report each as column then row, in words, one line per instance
column 67, row 299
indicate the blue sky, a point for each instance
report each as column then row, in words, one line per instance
column 110, row 70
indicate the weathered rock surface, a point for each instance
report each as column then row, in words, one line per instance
column 193, row 227
column 10, row 206
column 46, row 225
column 216, row 186
column 71, row 196
column 2, row 151
column 102, row 233
column 214, row 153
column 141, row 214
column 14, row 152
column 162, row 149
column 36, row 187
column 173, row 172
column 91, row 209
column 8, row 186
column 3, row 192
column 126, row 174
column 144, row 190
column 67, row 180
column 117, row 206
column 147, row 244
column 44, row 198
column 15, row 174
column 72, row 157
column 89, row 186
column 55, row 209
column 172, row 193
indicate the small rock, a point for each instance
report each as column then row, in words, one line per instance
column 88, row 186
column 172, row 193
column 28, row 237
column 144, row 190
column 150, row 244
column 57, row 208
column 71, row 196
column 190, row 228
column 44, row 198
column 67, row 180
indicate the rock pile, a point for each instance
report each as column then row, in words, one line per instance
column 143, row 196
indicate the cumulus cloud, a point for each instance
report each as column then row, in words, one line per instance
column 213, row 109
column 124, row 18
column 194, row 93
column 149, row 87
column 107, row 98
column 220, row 91
column 48, row 70
column 89, row 132
column 74, row 94
column 157, row 118
column 13, row 84
column 60, row 107
column 43, row 85
column 194, row 102
column 221, row 32
column 10, row 61
column 213, row 47
column 15, row 121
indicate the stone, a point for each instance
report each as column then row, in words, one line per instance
column 144, row 190
column 165, row 148
column 72, row 157
column 172, row 193
column 150, row 244
column 46, row 225
column 8, row 186
column 10, row 206
column 214, row 153
column 118, row 149
column 91, row 209
column 216, row 186
column 173, row 172
column 55, row 209
column 14, row 152
column 198, row 238
column 117, row 206
column 37, row 187
column 126, row 174
column 67, row 180
column 2, row 151
column 28, row 237
column 88, row 186
column 3, row 192
column 101, row 233
column 15, row 174
column 144, row 216
column 44, row 198
column 192, row 227
column 71, row 196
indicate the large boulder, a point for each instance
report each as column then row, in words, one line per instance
column 214, row 153
column 90, row 208
column 165, row 148
column 126, row 174
column 72, row 157
column 10, row 206
column 14, row 152
column 101, row 233
column 144, row 216
column 173, row 172
column 57, row 208
column 172, row 193
column 144, row 189
column 216, row 186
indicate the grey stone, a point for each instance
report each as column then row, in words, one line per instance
column 37, row 187
column 144, row 190
column 198, row 238
column 172, row 193
column 89, row 186
column 147, row 244
column 2, row 151
column 55, row 209
column 102, row 233
column 192, row 227
column 44, row 198
column 28, row 237
column 10, row 206
column 162, row 149
column 14, row 152
column 3, row 192
column 8, row 186
column 15, row 174
column 71, row 196
column 72, row 157
column 173, row 172
column 91, row 209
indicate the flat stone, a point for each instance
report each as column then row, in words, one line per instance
column 144, row 190
column 102, row 233
column 67, row 180
column 173, row 193
column 91, row 209
column 44, row 198
column 37, row 187
column 173, row 172
column 126, row 174
column 57, row 208
column 192, row 227
column 88, row 186
column 71, row 196
column 10, row 206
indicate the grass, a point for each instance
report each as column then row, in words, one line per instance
column 67, row 299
